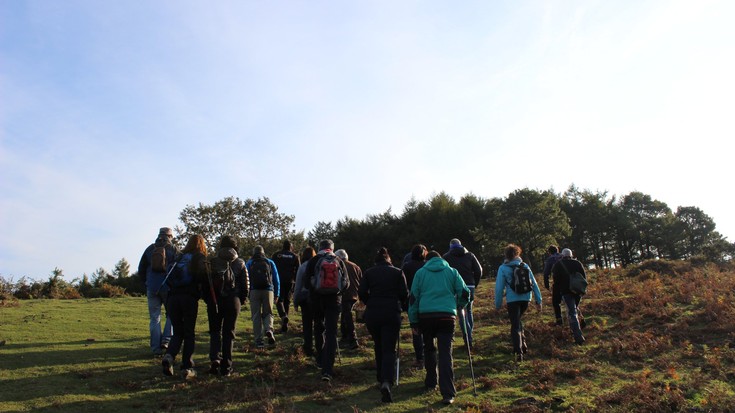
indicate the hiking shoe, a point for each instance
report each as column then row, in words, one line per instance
column 326, row 377
column 270, row 337
column 188, row 374
column 164, row 346
column 448, row 400
column 227, row 372
column 579, row 341
column 387, row 397
column 259, row 344
column 519, row 357
column 168, row 365
column 582, row 323
column 284, row 324
column 214, row 368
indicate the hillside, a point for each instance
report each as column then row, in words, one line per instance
column 659, row 338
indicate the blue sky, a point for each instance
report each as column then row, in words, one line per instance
column 116, row 115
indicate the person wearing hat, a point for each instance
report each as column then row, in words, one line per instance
column 157, row 259
column 470, row 269
column 561, row 272
column 264, row 292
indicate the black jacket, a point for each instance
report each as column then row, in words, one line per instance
column 560, row 273
column 287, row 263
column 466, row 264
column 409, row 270
column 384, row 288
column 238, row 269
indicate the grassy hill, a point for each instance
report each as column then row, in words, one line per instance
column 660, row 337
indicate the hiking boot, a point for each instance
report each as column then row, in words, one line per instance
column 188, row 374
column 259, row 344
column 164, row 346
column 582, row 323
column 519, row 357
column 270, row 337
column 308, row 351
column 284, row 324
column 326, row 377
column 448, row 400
column 214, row 368
column 579, row 341
column 227, row 372
column 168, row 365
column 387, row 397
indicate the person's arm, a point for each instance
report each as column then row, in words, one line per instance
column 461, row 290
column 499, row 288
column 363, row 292
column 476, row 270
column 276, row 280
column 403, row 292
column 536, row 289
column 143, row 266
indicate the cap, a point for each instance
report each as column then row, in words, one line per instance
column 166, row 231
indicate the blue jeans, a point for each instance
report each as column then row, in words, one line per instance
column 158, row 337
column 572, row 301
column 467, row 323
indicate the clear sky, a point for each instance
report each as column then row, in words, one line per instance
column 116, row 115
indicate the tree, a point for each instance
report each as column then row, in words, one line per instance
column 252, row 222
column 322, row 230
column 122, row 269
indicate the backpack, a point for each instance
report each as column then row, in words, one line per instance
column 577, row 282
column 521, row 281
column 260, row 274
column 181, row 275
column 223, row 278
column 328, row 276
column 158, row 258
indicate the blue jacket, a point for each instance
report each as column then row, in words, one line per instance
column 276, row 283
column 503, row 281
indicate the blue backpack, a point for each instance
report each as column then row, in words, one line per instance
column 181, row 273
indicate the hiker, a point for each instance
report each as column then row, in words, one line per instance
column 553, row 257
column 349, row 298
column 326, row 303
column 185, row 282
column 157, row 259
column 227, row 293
column 561, row 272
column 437, row 292
column 469, row 268
column 264, row 291
column 385, row 293
column 287, row 263
column 417, row 259
column 516, row 297
column 302, row 300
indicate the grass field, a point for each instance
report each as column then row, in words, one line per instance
column 660, row 338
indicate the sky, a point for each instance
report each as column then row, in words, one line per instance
column 114, row 116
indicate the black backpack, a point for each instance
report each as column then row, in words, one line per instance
column 223, row 278
column 521, row 281
column 260, row 274
column 181, row 275
column 577, row 282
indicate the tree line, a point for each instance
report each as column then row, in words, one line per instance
column 603, row 230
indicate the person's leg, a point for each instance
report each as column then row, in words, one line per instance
column 389, row 337
column 256, row 308
column 444, row 339
column 331, row 318
column 214, row 318
column 154, row 312
column 428, row 334
column 375, row 328
column 176, row 313
column 418, row 348
column 319, row 327
column 191, row 308
column 231, row 311
column 267, row 313
column 556, row 304
column 571, row 304
column 168, row 329
column 514, row 313
column 469, row 319
column 349, row 334
column 307, row 323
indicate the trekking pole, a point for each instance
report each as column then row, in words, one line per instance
column 166, row 279
column 339, row 353
column 469, row 356
column 398, row 358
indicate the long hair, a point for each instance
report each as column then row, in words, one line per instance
column 195, row 244
column 307, row 254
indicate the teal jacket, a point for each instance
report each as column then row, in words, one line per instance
column 503, row 281
column 437, row 291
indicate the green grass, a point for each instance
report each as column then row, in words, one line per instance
column 667, row 353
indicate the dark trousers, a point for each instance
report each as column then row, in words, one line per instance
column 284, row 300
column 347, row 321
column 384, row 326
column 418, row 345
column 183, row 308
column 326, row 315
column 222, row 330
column 438, row 336
column 307, row 324
column 515, row 312
column 556, row 304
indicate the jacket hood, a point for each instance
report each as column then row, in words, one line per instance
column 458, row 251
column 436, row 264
column 227, row 254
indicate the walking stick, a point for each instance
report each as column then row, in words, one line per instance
column 166, row 279
column 469, row 356
column 398, row 358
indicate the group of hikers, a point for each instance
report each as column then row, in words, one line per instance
column 436, row 291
